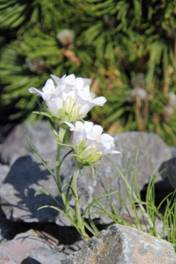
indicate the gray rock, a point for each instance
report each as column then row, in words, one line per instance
column 18, row 191
column 3, row 171
column 28, row 248
column 20, row 140
column 173, row 150
column 141, row 156
column 20, row 184
column 124, row 245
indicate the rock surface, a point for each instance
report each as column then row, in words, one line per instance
column 21, row 176
column 141, row 156
column 3, row 172
column 28, row 248
column 20, row 140
column 124, row 245
column 117, row 245
column 173, row 150
column 18, row 190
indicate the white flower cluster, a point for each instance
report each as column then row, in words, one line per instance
column 70, row 99
column 90, row 142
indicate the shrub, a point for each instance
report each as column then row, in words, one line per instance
column 128, row 48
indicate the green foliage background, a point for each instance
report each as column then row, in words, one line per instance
column 127, row 47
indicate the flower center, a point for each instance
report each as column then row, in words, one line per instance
column 71, row 110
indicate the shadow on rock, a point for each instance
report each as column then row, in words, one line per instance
column 168, row 171
column 19, row 190
column 65, row 235
column 163, row 188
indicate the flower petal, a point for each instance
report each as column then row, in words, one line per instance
column 33, row 90
column 88, row 126
column 54, row 105
column 70, row 79
column 85, row 94
column 56, row 79
column 82, row 82
column 99, row 100
column 107, row 141
column 85, row 108
column 96, row 132
column 48, row 89
column 79, row 126
column 107, row 138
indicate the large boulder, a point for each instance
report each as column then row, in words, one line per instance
column 124, row 245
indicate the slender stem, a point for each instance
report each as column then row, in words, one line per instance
column 58, row 165
column 74, row 216
column 79, row 220
column 60, row 160
column 58, row 177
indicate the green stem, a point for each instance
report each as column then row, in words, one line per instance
column 74, row 216
column 59, row 160
column 57, row 177
column 79, row 220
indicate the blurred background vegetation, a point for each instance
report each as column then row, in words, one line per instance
column 127, row 47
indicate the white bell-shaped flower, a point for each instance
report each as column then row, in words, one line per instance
column 69, row 98
column 90, row 143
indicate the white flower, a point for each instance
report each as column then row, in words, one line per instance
column 172, row 99
column 90, row 143
column 69, row 98
column 66, row 37
column 140, row 92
